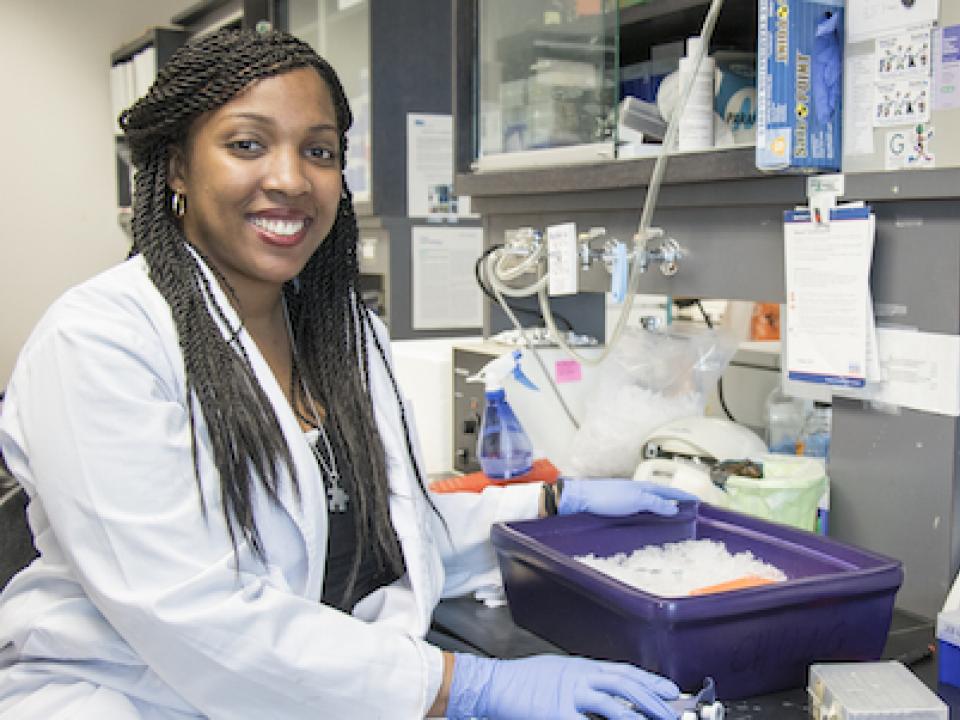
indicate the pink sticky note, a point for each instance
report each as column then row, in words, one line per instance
column 567, row 371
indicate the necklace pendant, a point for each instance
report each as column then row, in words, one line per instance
column 338, row 497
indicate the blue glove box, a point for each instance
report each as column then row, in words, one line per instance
column 836, row 604
column 948, row 650
column 799, row 85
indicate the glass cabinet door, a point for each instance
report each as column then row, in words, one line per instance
column 547, row 79
column 339, row 30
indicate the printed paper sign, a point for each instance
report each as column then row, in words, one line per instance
column 901, row 102
column 827, row 284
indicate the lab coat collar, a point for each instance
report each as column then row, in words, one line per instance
column 312, row 525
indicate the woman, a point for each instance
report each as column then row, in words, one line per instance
column 223, row 479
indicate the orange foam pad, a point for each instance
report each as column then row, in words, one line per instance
column 543, row 471
column 747, row 581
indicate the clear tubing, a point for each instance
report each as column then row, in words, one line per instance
column 530, row 261
column 497, row 283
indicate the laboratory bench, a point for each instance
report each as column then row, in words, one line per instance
column 466, row 625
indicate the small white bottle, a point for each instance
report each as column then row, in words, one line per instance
column 696, row 121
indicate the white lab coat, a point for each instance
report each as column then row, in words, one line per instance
column 135, row 607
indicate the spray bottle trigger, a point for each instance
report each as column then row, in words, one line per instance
column 518, row 373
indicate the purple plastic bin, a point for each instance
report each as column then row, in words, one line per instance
column 835, row 605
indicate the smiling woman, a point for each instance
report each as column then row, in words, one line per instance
column 224, row 485
column 245, row 133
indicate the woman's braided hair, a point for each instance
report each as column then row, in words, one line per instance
column 330, row 324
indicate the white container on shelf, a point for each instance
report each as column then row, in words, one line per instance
column 696, row 121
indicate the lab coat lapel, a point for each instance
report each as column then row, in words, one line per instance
column 407, row 505
column 309, row 512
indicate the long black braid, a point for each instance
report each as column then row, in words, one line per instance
column 330, row 323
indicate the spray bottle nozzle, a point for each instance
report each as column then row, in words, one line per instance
column 496, row 371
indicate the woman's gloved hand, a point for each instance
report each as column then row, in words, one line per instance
column 552, row 687
column 618, row 497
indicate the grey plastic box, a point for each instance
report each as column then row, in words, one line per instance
column 871, row 691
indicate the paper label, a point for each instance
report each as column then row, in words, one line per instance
column 562, row 259
column 568, row 371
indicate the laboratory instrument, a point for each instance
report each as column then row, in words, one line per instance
column 704, row 439
column 727, row 465
column 686, row 453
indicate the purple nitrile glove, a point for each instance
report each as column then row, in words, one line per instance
column 553, row 687
column 827, row 66
column 618, row 497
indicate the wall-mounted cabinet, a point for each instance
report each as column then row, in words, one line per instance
column 546, row 80
column 540, row 83
column 660, row 22
column 648, row 38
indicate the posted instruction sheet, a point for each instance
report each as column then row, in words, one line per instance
column 829, row 314
column 445, row 294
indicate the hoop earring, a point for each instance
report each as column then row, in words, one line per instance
column 178, row 204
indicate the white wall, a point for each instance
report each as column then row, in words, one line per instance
column 57, row 178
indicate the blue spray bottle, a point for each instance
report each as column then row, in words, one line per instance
column 503, row 448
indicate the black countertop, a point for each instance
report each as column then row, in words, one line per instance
column 466, row 625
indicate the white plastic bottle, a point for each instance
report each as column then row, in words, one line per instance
column 784, row 416
column 696, row 121
column 815, row 436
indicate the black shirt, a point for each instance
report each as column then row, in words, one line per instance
column 341, row 539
